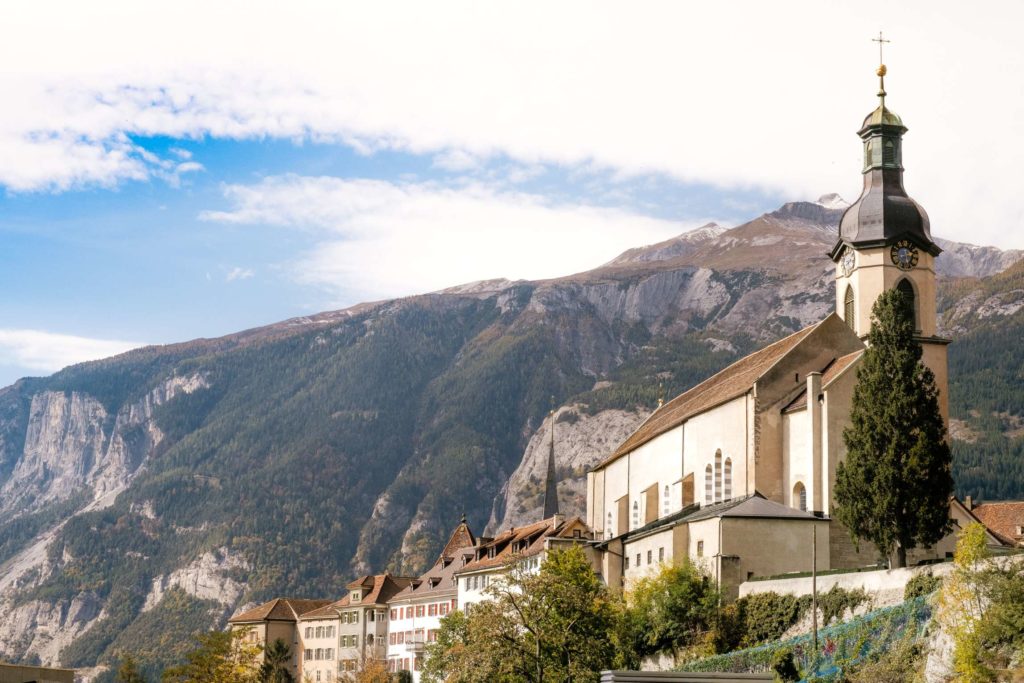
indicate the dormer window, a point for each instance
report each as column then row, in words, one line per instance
column 356, row 596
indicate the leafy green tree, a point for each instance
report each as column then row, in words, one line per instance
column 448, row 650
column 552, row 625
column 276, row 660
column 893, row 489
column 676, row 609
column 221, row 657
column 129, row 672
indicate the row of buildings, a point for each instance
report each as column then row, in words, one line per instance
column 736, row 474
column 392, row 619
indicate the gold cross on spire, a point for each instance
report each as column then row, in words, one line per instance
column 881, row 66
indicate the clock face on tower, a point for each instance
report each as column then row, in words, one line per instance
column 904, row 254
column 848, row 262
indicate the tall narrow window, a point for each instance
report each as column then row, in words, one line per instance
column 609, row 525
column 800, row 496
column 728, row 478
column 636, row 514
column 849, row 314
column 665, row 501
column 909, row 303
column 718, row 476
column 707, row 485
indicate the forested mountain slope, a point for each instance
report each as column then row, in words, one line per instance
column 150, row 494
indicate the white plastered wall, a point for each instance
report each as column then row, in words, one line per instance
column 723, row 427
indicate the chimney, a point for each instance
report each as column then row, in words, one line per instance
column 968, row 503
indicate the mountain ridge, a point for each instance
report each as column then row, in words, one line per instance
column 297, row 454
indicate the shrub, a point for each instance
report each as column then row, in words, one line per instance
column 897, row 663
column 766, row 616
column 784, row 666
column 835, row 603
column 920, row 585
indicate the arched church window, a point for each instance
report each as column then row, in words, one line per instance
column 728, row 478
column 909, row 300
column 718, row 476
column 707, row 485
column 800, row 496
column 849, row 314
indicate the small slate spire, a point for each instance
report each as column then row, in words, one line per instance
column 550, row 482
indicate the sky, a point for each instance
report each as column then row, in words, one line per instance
column 190, row 169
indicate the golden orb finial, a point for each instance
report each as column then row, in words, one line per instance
column 881, row 70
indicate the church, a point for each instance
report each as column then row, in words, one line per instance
column 737, row 473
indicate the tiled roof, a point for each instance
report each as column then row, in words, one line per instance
column 440, row 577
column 754, row 505
column 831, row 372
column 462, row 537
column 523, row 541
column 327, row 611
column 278, row 609
column 730, row 383
column 1004, row 519
column 385, row 587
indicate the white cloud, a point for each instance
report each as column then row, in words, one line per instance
column 456, row 160
column 379, row 239
column 739, row 94
column 48, row 352
column 238, row 273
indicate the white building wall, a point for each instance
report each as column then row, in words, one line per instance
column 656, row 463
column 471, row 586
column 616, row 485
column 796, row 461
column 318, row 655
column 722, row 428
column 704, row 544
column 417, row 628
column 648, row 554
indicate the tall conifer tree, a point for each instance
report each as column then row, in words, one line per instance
column 894, row 488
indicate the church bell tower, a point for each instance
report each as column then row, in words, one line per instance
column 885, row 242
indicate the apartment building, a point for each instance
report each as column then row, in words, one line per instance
column 415, row 613
column 276, row 620
column 527, row 545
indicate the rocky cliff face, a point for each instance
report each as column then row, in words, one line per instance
column 71, row 444
column 581, row 440
column 287, row 459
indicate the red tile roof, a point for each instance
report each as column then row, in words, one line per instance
column 523, row 541
column 730, row 383
column 327, row 611
column 1004, row 519
column 278, row 609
